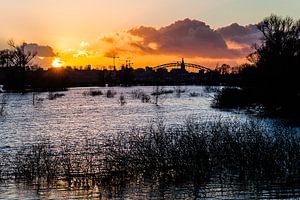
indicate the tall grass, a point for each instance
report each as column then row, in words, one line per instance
column 196, row 151
column 199, row 149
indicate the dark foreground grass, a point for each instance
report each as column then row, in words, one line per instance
column 195, row 152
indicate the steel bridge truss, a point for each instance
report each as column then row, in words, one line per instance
column 182, row 66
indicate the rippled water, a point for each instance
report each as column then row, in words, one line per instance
column 75, row 117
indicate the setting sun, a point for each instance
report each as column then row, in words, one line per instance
column 57, row 62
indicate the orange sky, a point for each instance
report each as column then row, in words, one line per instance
column 82, row 32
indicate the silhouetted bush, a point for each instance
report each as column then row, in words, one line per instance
column 157, row 93
column 93, row 93
column 229, row 98
column 111, row 93
column 122, row 100
column 145, row 98
column 198, row 150
column 194, row 94
column 36, row 161
column 53, row 96
column 211, row 89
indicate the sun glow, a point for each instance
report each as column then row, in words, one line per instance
column 57, row 62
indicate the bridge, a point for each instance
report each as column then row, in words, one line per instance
column 182, row 65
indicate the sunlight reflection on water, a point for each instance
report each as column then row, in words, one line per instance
column 75, row 117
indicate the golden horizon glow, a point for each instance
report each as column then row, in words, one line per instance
column 91, row 30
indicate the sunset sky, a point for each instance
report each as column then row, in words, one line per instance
column 149, row 32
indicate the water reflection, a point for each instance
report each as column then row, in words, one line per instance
column 75, row 147
column 152, row 190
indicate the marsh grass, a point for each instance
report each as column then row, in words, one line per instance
column 197, row 151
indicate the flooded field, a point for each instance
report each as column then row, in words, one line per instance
column 83, row 115
column 75, row 116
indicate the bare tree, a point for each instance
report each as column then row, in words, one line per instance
column 19, row 56
column 6, row 58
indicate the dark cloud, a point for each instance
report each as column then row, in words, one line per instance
column 42, row 51
column 189, row 38
column 248, row 35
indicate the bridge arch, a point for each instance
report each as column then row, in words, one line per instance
column 182, row 65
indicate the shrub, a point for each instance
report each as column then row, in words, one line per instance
column 53, row 96
column 194, row 94
column 93, row 93
column 122, row 100
column 110, row 93
column 228, row 98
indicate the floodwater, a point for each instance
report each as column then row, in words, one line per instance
column 75, row 117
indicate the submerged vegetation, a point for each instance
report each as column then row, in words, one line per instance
column 197, row 152
column 110, row 93
column 122, row 100
column 53, row 96
column 140, row 94
column 93, row 92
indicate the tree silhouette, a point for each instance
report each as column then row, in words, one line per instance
column 19, row 56
column 278, row 58
column 16, row 60
column 273, row 81
column 6, row 58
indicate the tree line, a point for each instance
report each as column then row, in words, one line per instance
column 271, row 80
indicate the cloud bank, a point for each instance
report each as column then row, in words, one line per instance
column 247, row 35
column 188, row 38
column 42, row 51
